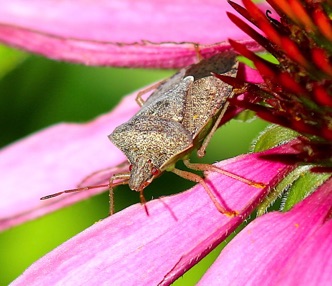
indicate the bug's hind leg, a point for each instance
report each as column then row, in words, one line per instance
column 212, row 168
column 196, row 178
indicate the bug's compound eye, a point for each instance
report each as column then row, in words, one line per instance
column 130, row 167
column 155, row 171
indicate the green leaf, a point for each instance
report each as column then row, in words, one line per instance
column 270, row 58
column 272, row 136
column 296, row 186
column 265, row 56
column 305, row 184
column 246, row 116
column 279, row 189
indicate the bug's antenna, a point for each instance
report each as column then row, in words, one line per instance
column 75, row 190
column 123, row 180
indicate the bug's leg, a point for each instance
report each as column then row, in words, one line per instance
column 198, row 53
column 195, row 178
column 140, row 101
column 201, row 150
column 103, row 175
column 143, row 202
column 212, row 168
column 111, row 196
column 123, row 180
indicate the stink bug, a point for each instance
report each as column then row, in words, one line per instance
column 179, row 117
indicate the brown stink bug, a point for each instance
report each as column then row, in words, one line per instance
column 179, row 117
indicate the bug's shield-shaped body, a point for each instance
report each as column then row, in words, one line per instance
column 175, row 119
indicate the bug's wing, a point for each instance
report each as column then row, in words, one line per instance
column 167, row 85
column 220, row 63
column 207, row 95
column 168, row 101
column 160, row 140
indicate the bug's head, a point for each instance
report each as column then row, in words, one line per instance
column 142, row 173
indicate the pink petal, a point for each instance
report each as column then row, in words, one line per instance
column 119, row 33
column 312, row 262
column 131, row 248
column 55, row 159
column 292, row 248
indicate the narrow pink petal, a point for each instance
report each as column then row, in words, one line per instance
column 53, row 160
column 131, row 248
column 250, row 75
column 311, row 264
column 292, row 248
column 119, row 33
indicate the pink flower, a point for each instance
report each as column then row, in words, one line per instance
column 290, row 248
column 131, row 247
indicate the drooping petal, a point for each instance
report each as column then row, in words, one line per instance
column 131, row 248
column 55, row 159
column 292, row 248
column 119, row 33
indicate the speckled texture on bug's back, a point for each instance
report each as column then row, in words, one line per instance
column 157, row 140
column 180, row 109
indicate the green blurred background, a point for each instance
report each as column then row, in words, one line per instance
column 37, row 92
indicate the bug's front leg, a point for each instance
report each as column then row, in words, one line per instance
column 123, row 180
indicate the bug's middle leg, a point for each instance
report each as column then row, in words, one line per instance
column 202, row 149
